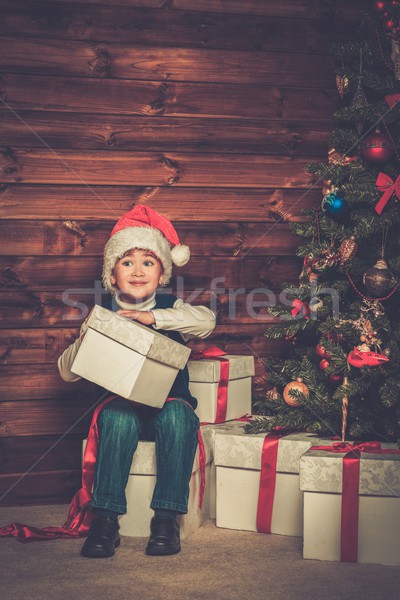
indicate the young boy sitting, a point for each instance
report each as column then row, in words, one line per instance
column 138, row 259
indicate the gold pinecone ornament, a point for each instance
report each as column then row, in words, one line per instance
column 347, row 249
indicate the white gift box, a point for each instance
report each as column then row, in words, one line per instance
column 204, row 377
column 140, row 488
column 129, row 359
column 379, row 506
column 207, row 430
column 237, row 458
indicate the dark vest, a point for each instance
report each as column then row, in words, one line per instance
column 180, row 387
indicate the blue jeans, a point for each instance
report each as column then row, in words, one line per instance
column 121, row 424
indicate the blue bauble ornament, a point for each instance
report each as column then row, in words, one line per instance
column 334, row 206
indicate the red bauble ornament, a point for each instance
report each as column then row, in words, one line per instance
column 389, row 24
column 379, row 6
column 335, row 378
column 324, row 364
column 320, row 350
column 377, row 148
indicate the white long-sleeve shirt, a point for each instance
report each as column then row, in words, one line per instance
column 190, row 321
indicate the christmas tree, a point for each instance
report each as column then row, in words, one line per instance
column 342, row 374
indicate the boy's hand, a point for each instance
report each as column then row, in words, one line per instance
column 145, row 317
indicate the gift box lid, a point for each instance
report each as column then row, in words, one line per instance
column 321, row 471
column 209, row 370
column 138, row 337
column 235, row 448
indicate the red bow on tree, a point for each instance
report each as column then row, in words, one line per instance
column 385, row 184
column 300, row 306
column 392, row 99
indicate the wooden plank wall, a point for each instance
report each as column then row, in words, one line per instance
column 206, row 110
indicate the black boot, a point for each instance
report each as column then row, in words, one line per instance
column 102, row 539
column 164, row 537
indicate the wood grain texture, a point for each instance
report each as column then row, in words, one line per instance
column 37, row 129
column 147, row 98
column 36, row 381
column 154, row 169
column 45, row 487
column 52, row 416
column 40, row 453
column 208, row 204
column 132, row 24
column 150, row 63
column 341, row 9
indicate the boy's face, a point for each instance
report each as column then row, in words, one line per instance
column 137, row 275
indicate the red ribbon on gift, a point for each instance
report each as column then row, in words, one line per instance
column 214, row 353
column 300, row 306
column 392, row 99
column 266, row 493
column 79, row 516
column 385, row 184
column 350, row 491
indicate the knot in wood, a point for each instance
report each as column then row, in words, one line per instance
column 101, row 64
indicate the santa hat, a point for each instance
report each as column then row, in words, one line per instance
column 145, row 229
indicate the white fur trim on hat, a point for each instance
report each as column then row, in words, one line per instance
column 143, row 238
column 180, row 255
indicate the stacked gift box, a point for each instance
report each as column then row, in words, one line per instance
column 343, row 499
column 352, row 503
column 258, row 481
column 222, row 385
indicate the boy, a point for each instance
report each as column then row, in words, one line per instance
column 137, row 259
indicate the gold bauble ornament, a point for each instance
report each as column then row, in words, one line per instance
column 298, row 386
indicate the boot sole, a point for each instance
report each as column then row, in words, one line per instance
column 97, row 552
column 162, row 550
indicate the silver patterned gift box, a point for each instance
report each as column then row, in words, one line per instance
column 129, row 359
column 379, row 506
column 140, row 488
column 237, row 458
column 205, row 375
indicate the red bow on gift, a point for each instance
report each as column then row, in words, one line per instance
column 300, row 306
column 368, row 447
column 385, row 184
column 210, row 352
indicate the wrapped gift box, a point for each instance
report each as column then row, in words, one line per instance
column 237, row 458
column 129, row 359
column 205, row 376
column 140, row 488
column 378, row 536
column 212, row 430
